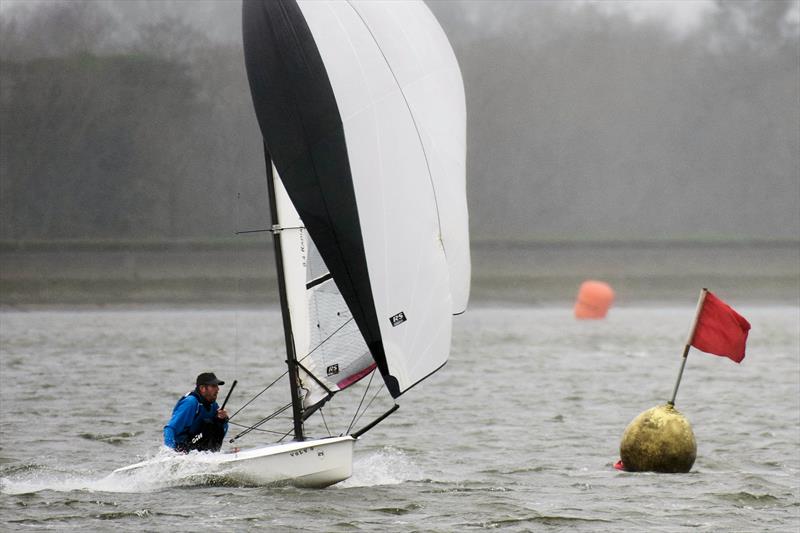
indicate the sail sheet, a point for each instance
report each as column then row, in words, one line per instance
column 361, row 106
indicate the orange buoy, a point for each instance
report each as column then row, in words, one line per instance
column 594, row 299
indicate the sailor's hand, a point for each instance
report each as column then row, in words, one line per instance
column 222, row 414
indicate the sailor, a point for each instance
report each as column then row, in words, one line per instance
column 197, row 422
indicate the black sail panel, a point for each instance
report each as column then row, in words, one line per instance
column 302, row 129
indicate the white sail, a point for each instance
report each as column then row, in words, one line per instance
column 328, row 345
column 401, row 100
column 393, row 57
column 294, row 251
column 361, row 105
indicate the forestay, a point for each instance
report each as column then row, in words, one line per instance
column 361, row 106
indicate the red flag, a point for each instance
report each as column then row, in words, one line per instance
column 720, row 330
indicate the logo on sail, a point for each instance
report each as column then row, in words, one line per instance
column 333, row 369
column 398, row 319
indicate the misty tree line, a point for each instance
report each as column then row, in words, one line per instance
column 580, row 126
column 150, row 140
column 600, row 128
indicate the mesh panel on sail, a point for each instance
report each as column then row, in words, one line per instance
column 338, row 355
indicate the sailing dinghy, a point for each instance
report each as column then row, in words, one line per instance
column 362, row 112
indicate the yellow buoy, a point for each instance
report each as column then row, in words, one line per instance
column 594, row 299
column 658, row 440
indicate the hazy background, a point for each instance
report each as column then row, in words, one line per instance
column 131, row 121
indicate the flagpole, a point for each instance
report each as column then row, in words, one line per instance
column 689, row 340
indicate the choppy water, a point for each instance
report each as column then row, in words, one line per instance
column 518, row 432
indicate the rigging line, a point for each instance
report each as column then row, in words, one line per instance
column 372, row 375
column 285, row 435
column 257, row 429
column 259, row 394
column 326, row 339
column 369, row 404
column 262, row 421
column 322, row 414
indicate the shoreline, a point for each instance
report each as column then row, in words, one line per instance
column 532, row 273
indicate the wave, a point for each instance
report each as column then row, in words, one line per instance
column 545, row 520
column 747, row 499
column 387, row 466
column 116, row 438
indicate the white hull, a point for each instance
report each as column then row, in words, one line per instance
column 312, row 463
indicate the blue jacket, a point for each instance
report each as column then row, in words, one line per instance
column 187, row 419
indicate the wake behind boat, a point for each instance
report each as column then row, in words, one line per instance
column 362, row 113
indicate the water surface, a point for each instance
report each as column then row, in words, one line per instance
column 518, row 431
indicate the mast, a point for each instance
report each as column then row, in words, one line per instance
column 291, row 356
